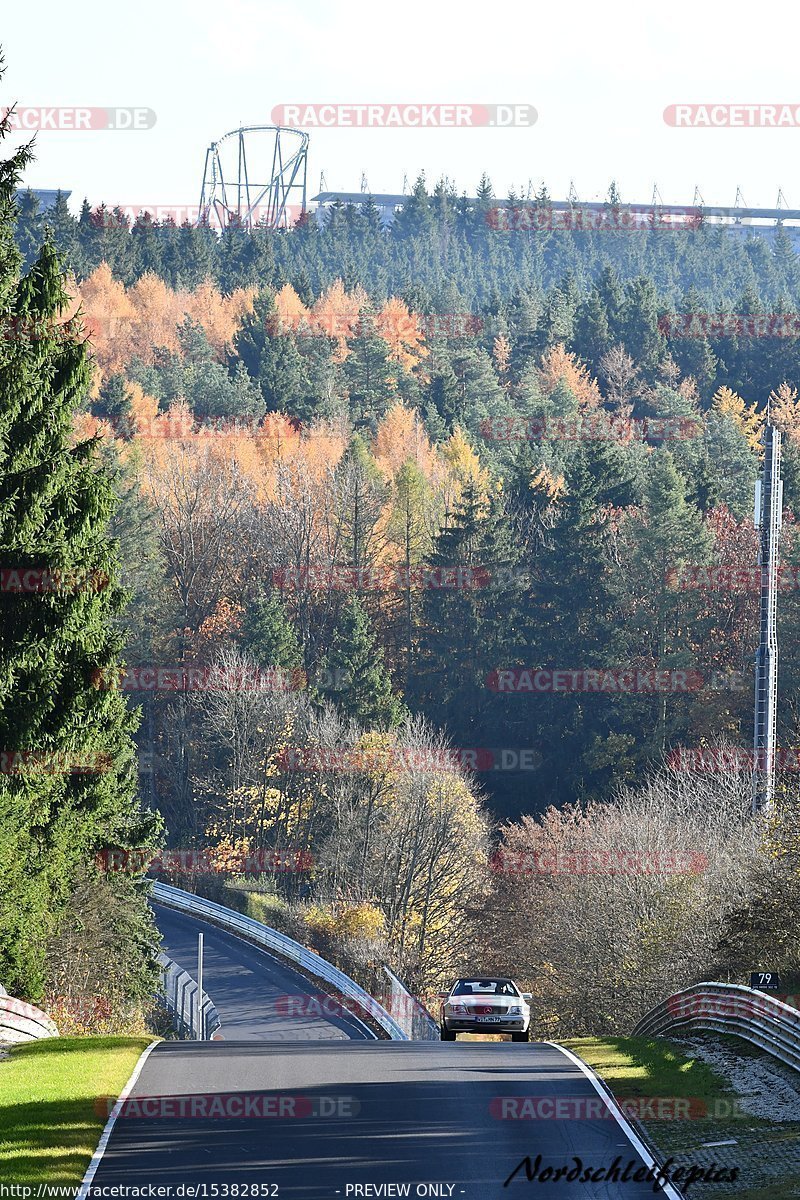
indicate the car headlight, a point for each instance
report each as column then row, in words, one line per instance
column 457, row 1008
column 515, row 1010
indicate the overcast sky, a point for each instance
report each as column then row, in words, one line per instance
column 599, row 76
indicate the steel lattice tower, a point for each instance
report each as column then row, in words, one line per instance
column 255, row 175
column 768, row 515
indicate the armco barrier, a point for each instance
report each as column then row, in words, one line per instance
column 21, row 1022
column 179, row 991
column 283, row 947
column 410, row 1013
column 729, row 1008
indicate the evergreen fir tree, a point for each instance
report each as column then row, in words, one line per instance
column 75, row 789
column 355, row 657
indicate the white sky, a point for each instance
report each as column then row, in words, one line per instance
column 599, row 75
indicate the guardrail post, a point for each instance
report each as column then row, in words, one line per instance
column 200, row 1014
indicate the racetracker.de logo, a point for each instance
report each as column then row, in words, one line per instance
column 405, row 116
column 732, row 116
column 529, row 680
column 51, row 580
column 230, row 1106
column 152, row 678
column 535, row 218
column 589, row 427
column 593, row 1108
column 722, row 324
column 53, row 762
column 204, row 861
column 723, row 760
column 380, row 579
column 46, row 117
column 125, row 214
column 341, row 760
column 617, row 861
column 728, row 578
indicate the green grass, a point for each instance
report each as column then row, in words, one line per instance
column 51, row 1110
column 644, row 1067
column 637, row 1067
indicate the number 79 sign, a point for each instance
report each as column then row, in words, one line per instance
column 764, row 981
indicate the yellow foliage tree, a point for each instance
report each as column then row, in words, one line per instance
column 336, row 315
column 559, row 364
column 784, row 410
column 290, row 312
column 547, row 484
column 747, row 420
column 463, row 469
column 218, row 315
column 399, row 328
column 401, row 438
column 501, row 351
column 108, row 318
column 157, row 314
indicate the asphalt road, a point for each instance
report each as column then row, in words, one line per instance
column 334, row 1118
column 258, row 997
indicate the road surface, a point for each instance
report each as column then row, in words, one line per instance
column 329, row 1118
column 258, row 998
column 309, row 1107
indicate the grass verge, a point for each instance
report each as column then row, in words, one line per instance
column 637, row 1069
column 50, row 1118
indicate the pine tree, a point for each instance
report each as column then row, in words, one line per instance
column 354, row 673
column 370, row 376
column 55, row 505
column 409, row 530
column 667, row 534
column 274, row 361
column 269, row 635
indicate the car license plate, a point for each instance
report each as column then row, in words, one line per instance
column 490, row 1020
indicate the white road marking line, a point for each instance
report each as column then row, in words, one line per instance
column 110, row 1123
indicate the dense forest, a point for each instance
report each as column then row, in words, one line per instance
column 422, row 530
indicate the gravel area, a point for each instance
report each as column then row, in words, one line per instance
column 762, row 1138
column 766, row 1088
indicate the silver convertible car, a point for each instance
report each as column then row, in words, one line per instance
column 486, row 1006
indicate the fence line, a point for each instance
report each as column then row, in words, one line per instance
column 21, row 1022
column 283, row 947
column 180, row 993
column 729, row 1008
column 410, row 1013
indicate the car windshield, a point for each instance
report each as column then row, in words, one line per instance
column 484, row 987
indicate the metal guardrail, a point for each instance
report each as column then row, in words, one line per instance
column 21, row 1022
column 729, row 1008
column 410, row 1013
column 282, row 946
column 180, row 992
